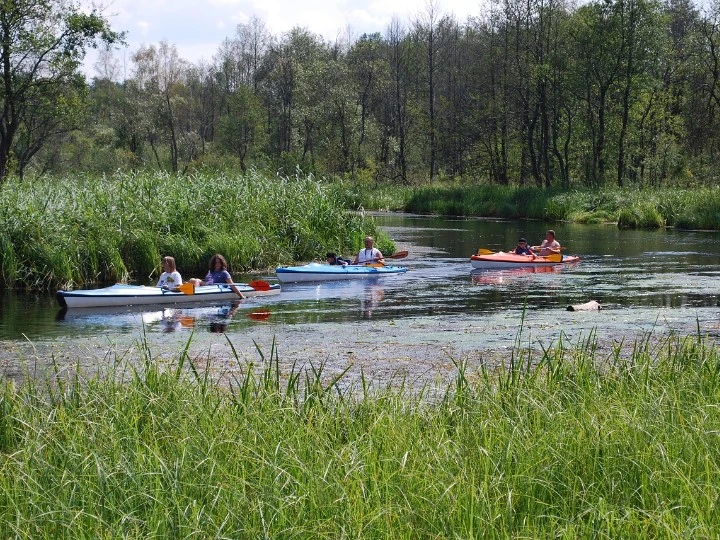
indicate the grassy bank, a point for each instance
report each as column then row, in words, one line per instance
column 87, row 230
column 687, row 208
column 573, row 444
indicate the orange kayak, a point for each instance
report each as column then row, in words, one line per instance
column 502, row 260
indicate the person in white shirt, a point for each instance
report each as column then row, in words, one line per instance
column 170, row 278
column 369, row 254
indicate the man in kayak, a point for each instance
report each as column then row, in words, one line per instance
column 549, row 245
column 522, row 248
column 369, row 254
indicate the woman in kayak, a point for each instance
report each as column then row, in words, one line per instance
column 549, row 245
column 369, row 254
column 217, row 273
column 170, row 278
column 522, row 248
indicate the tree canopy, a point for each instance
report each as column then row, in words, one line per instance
column 42, row 45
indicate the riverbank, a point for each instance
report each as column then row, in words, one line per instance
column 571, row 441
column 691, row 208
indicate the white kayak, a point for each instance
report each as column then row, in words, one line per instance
column 327, row 272
column 133, row 295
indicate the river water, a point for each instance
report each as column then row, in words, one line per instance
column 418, row 324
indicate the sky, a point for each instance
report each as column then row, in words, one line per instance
column 198, row 27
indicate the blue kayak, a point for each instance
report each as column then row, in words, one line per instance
column 327, row 272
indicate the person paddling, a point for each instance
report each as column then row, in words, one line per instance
column 549, row 245
column 217, row 273
column 369, row 254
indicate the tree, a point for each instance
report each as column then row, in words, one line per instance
column 42, row 44
column 161, row 73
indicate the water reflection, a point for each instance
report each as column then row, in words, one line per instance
column 501, row 277
column 373, row 294
column 215, row 318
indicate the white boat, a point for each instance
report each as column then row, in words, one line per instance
column 327, row 272
column 133, row 295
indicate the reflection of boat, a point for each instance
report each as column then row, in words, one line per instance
column 129, row 295
column 498, row 277
column 167, row 319
column 327, row 272
column 511, row 260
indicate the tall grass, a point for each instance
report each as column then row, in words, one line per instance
column 75, row 231
column 633, row 208
column 568, row 443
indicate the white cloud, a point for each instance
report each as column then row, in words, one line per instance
column 198, row 28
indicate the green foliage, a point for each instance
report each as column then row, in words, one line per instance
column 107, row 229
column 42, row 46
column 568, row 442
column 640, row 216
column 697, row 208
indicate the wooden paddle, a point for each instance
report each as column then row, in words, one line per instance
column 258, row 285
column 398, row 255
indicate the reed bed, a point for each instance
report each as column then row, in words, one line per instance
column 83, row 230
column 566, row 443
column 630, row 208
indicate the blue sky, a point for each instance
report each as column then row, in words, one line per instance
column 197, row 27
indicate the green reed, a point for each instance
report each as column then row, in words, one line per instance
column 697, row 208
column 82, row 230
column 568, row 442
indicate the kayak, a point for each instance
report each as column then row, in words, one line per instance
column 327, row 272
column 511, row 260
column 133, row 295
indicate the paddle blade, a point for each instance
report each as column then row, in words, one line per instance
column 375, row 265
column 554, row 257
column 260, row 285
column 186, row 288
column 484, row 251
column 398, row 255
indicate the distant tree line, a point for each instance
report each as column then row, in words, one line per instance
column 536, row 92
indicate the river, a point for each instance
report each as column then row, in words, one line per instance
column 416, row 325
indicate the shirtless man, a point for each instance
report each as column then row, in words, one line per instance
column 549, row 245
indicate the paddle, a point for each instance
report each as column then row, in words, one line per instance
column 258, row 285
column 398, row 255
